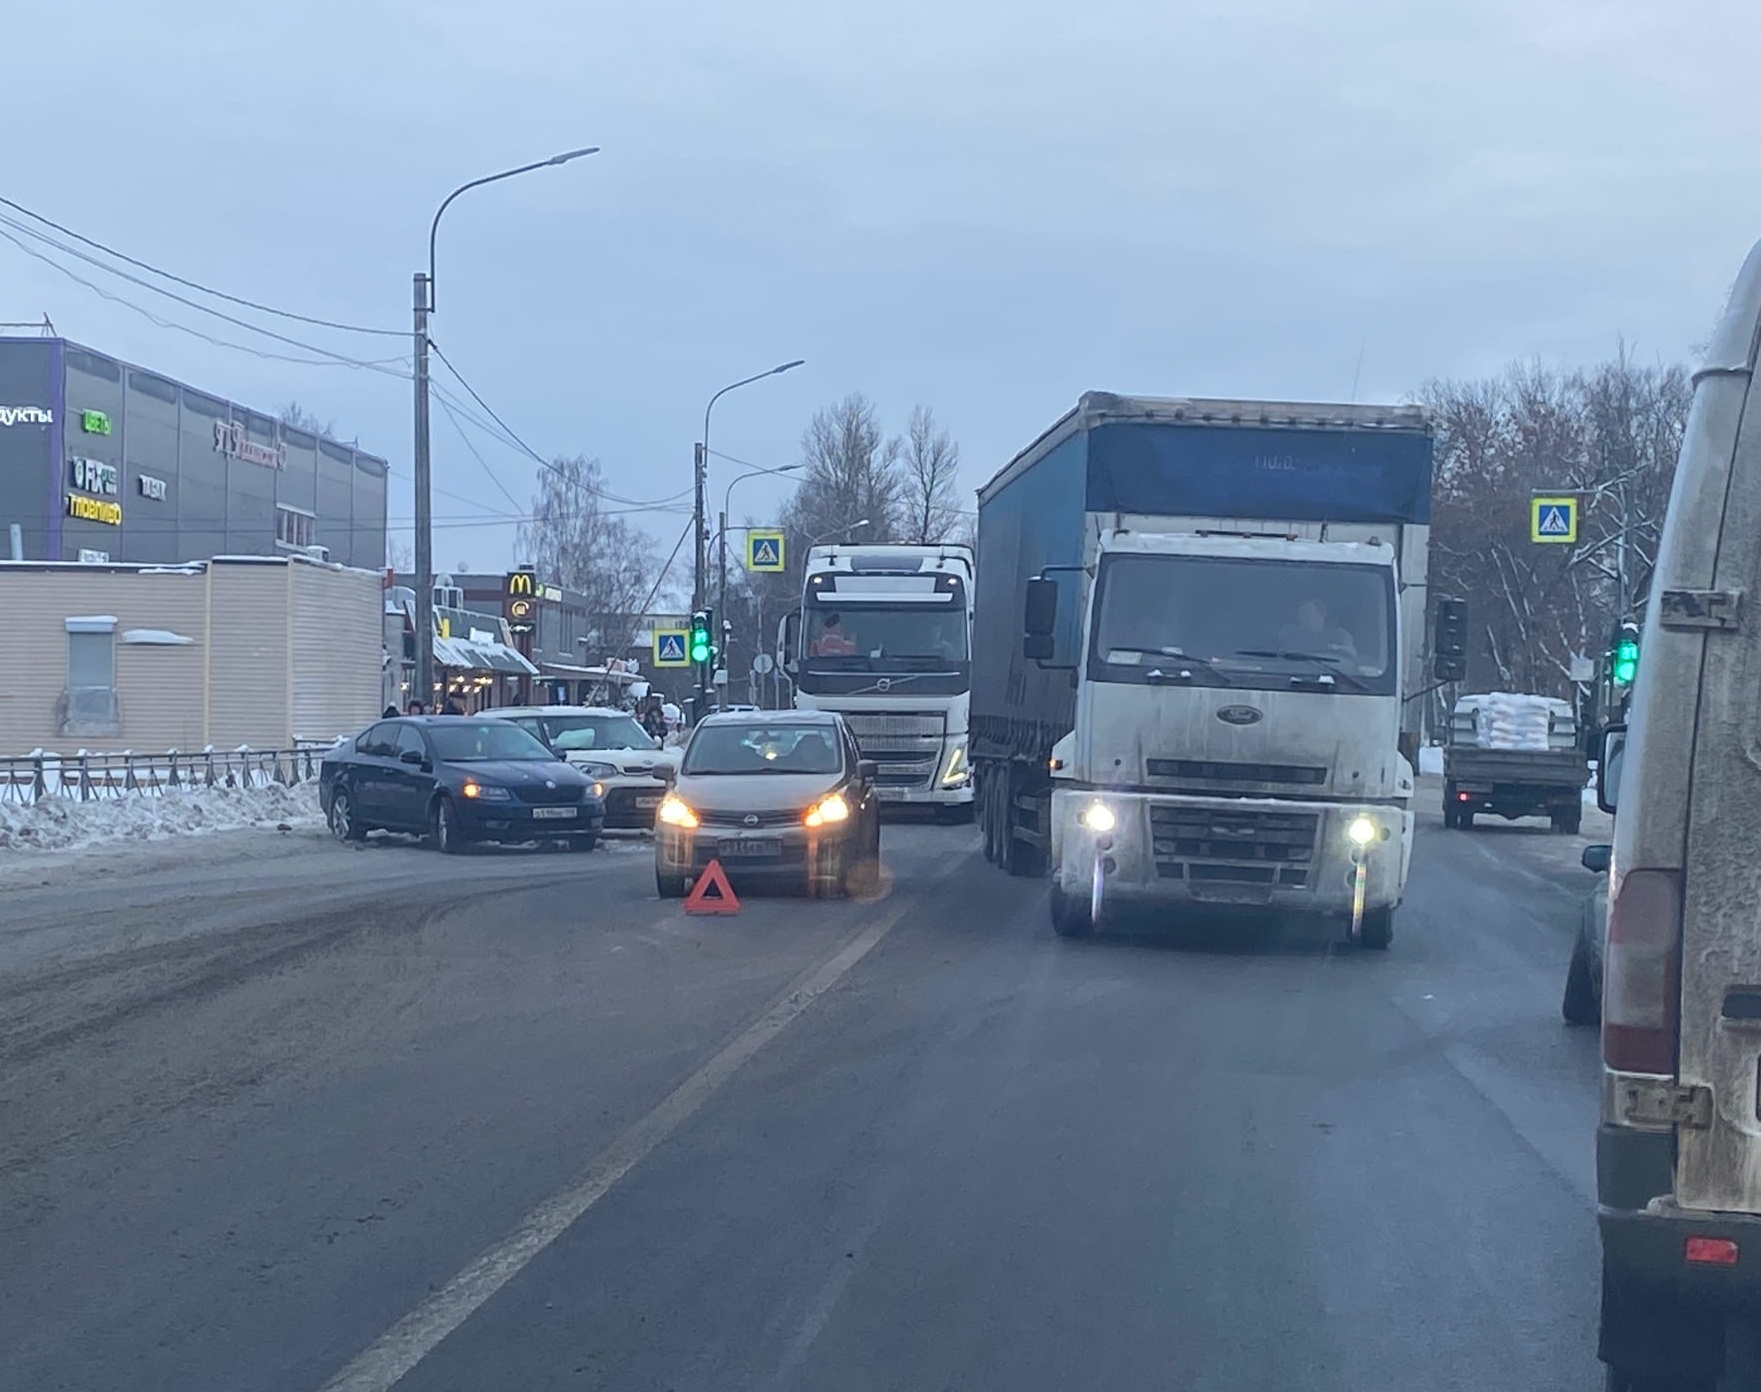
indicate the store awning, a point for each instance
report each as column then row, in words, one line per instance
column 476, row 655
column 572, row 672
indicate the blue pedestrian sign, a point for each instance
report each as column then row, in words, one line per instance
column 1553, row 519
column 670, row 648
column 764, row 551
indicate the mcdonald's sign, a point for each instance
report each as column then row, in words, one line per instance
column 522, row 584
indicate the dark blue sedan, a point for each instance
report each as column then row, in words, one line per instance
column 458, row 781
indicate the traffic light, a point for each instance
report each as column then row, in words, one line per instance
column 1449, row 640
column 1624, row 660
column 702, row 649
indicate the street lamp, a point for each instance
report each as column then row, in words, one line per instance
column 838, row 531
column 700, row 470
column 721, row 535
column 424, row 305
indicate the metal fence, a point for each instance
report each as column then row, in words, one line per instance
column 85, row 777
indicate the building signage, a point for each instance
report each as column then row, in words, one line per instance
column 95, row 477
column 230, row 439
column 151, row 487
column 554, row 593
column 89, row 557
column 520, row 615
column 94, row 510
column 94, row 422
column 521, row 582
column 26, row 415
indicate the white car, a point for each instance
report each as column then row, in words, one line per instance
column 610, row 747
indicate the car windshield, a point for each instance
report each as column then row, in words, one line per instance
column 1245, row 622
column 577, row 732
column 762, row 748
column 469, row 741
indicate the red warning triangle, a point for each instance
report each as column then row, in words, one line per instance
column 723, row 901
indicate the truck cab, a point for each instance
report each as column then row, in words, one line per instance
column 884, row 637
column 1679, row 1144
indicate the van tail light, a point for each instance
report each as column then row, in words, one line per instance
column 1641, row 985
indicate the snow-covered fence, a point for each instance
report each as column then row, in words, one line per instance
column 86, row 777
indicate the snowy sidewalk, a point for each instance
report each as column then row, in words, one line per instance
column 62, row 824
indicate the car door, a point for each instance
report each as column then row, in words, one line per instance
column 410, row 783
column 369, row 778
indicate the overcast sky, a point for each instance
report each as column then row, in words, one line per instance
column 986, row 207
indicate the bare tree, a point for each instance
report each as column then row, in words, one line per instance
column 929, row 464
column 400, row 555
column 1610, row 435
column 574, row 541
column 300, row 418
column 852, row 474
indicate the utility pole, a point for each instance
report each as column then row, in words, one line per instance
column 424, row 683
column 699, row 466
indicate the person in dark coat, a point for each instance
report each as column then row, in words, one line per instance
column 452, row 708
column 389, row 713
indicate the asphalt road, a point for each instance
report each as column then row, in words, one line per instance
column 283, row 1115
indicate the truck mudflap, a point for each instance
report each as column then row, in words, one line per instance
column 1231, row 852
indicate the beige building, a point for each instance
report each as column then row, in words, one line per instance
column 259, row 651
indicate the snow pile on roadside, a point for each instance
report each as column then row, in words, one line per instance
column 1431, row 760
column 58, row 824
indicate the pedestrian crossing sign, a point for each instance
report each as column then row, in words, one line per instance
column 1553, row 519
column 670, row 648
column 764, row 551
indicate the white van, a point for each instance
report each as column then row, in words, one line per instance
column 1679, row 1147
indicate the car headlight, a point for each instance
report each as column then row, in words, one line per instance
column 828, row 810
column 484, row 792
column 1097, row 816
column 1362, row 831
column 675, row 812
column 599, row 790
column 956, row 771
column 599, row 770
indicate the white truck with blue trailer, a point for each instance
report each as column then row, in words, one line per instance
column 1196, row 624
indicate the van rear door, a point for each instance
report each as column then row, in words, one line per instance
column 1710, row 632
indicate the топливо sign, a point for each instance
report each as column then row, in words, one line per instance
column 94, row 510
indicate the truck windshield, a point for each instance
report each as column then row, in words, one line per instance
column 873, row 638
column 1248, row 623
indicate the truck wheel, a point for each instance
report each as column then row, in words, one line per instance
column 1377, row 929
column 1450, row 821
column 1580, row 1006
column 1567, row 823
column 1015, row 855
column 987, row 817
column 960, row 814
column 1070, row 917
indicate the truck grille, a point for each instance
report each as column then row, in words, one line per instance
column 906, row 744
column 1205, row 771
column 1233, row 845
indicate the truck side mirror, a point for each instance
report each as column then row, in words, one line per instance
column 1449, row 634
column 1608, row 763
column 1595, row 859
column 1040, row 618
column 788, row 629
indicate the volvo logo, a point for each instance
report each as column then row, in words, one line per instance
column 1241, row 715
column 884, row 684
column 750, row 819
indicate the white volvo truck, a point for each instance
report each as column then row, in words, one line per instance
column 1197, row 623
column 884, row 637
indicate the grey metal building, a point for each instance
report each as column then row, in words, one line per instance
column 104, row 461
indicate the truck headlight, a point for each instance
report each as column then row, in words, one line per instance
column 955, row 773
column 1362, row 831
column 1097, row 816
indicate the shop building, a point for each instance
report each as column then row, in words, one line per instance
column 102, row 461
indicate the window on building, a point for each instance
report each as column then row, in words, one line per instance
column 295, row 528
column 88, row 705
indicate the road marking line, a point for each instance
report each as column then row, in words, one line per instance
column 415, row 1336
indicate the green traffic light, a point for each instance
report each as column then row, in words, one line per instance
column 1626, row 661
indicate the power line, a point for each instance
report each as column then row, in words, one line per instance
column 533, row 454
column 482, row 463
column 197, row 285
column 173, row 295
column 329, row 360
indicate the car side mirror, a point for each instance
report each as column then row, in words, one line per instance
column 1596, row 859
column 867, row 770
column 411, row 756
column 1608, row 762
column 666, row 773
column 788, row 632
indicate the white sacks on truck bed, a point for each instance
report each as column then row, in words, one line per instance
column 1508, row 720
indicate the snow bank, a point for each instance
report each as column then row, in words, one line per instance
column 62, row 824
column 1431, row 760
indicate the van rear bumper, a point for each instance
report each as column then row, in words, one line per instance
column 1644, row 1240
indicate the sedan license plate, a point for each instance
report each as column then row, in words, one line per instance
column 553, row 811
column 751, row 846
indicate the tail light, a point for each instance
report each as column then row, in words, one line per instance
column 1641, row 991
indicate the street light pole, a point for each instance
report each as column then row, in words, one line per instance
column 838, row 531
column 424, row 306
column 721, row 603
column 700, row 473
